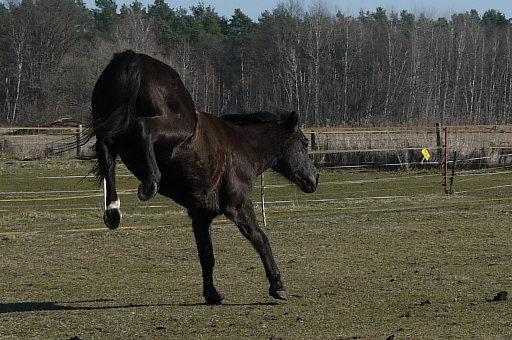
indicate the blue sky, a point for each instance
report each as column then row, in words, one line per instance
column 433, row 8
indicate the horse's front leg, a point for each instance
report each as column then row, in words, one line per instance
column 244, row 217
column 202, row 233
column 107, row 171
column 146, row 135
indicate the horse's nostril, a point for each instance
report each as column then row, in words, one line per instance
column 311, row 183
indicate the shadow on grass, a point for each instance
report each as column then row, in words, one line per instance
column 17, row 307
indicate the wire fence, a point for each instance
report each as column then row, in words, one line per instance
column 42, row 143
column 403, row 147
column 483, row 172
column 477, row 146
column 339, row 192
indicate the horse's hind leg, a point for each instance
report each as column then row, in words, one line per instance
column 202, row 233
column 107, row 170
column 151, row 180
column 244, row 217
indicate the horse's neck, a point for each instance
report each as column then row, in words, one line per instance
column 266, row 145
column 259, row 142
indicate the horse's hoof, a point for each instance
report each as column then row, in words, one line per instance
column 213, row 297
column 112, row 218
column 278, row 294
column 147, row 191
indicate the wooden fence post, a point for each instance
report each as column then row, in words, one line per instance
column 451, row 190
column 314, row 147
column 439, row 144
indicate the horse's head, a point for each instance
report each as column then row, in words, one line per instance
column 294, row 162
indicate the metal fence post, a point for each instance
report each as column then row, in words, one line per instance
column 263, row 200
column 446, row 159
column 79, row 135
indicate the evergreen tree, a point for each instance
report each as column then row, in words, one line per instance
column 494, row 18
column 105, row 14
column 165, row 19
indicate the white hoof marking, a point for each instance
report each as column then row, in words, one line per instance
column 114, row 205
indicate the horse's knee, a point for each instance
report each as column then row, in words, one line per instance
column 147, row 190
column 254, row 234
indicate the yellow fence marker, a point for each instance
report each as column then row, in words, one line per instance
column 426, row 155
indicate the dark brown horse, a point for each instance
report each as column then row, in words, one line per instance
column 143, row 113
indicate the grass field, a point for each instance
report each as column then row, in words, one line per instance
column 370, row 255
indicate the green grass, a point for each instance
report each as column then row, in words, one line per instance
column 387, row 254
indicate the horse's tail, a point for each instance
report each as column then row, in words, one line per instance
column 113, row 101
column 115, row 95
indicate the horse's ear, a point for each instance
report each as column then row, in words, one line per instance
column 293, row 120
column 289, row 119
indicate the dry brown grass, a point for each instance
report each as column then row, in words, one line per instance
column 476, row 146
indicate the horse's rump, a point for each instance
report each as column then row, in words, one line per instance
column 115, row 95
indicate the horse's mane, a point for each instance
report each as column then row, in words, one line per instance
column 259, row 117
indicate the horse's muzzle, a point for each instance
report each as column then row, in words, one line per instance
column 310, row 184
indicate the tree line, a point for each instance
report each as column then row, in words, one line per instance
column 376, row 68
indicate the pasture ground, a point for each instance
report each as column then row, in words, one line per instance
column 370, row 255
